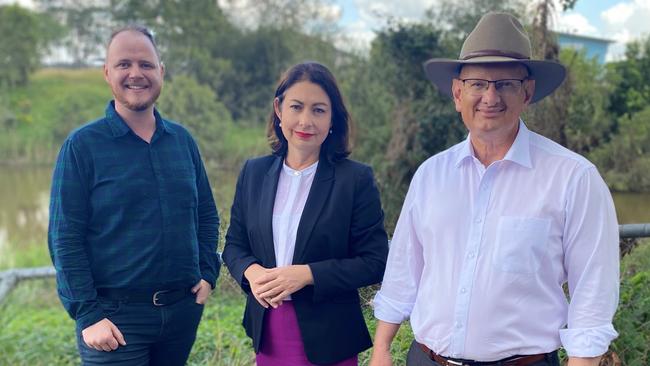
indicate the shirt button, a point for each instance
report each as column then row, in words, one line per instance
column 463, row 290
column 459, row 325
column 478, row 220
column 471, row 254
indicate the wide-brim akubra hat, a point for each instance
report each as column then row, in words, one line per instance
column 497, row 38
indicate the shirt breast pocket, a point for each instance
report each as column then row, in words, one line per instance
column 521, row 244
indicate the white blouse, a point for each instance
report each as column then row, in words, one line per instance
column 290, row 199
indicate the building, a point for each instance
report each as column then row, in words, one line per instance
column 594, row 47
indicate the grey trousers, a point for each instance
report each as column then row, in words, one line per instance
column 417, row 357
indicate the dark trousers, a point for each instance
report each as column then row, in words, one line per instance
column 154, row 335
column 417, row 357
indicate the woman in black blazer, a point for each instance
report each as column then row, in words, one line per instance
column 306, row 230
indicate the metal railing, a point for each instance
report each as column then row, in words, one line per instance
column 628, row 233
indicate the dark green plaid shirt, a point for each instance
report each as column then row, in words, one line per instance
column 128, row 214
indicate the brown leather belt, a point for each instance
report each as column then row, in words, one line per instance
column 512, row 361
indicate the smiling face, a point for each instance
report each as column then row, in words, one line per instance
column 133, row 71
column 492, row 115
column 306, row 117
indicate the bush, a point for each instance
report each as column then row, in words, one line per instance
column 633, row 317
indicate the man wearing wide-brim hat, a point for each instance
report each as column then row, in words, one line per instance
column 492, row 228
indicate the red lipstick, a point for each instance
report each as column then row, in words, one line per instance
column 303, row 135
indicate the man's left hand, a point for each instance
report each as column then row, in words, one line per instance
column 203, row 289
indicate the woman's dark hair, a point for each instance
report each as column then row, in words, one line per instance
column 337, row 145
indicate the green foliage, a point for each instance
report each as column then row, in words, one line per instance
column 458, row 17
column 25, row 35
column 588, row 122
column 631, row 79
column 576, row 114
column 47, row 109
column 196, row 107
column 625, row 160
column 633, row 317
column 418, row 122
column 37, row 331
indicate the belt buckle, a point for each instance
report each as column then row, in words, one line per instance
column 155, row 297
column 455, row 363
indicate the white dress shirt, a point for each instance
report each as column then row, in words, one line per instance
column 479, row 255
column 290, row 198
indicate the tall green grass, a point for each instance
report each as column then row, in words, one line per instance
column 47, row 109
column 35, row 330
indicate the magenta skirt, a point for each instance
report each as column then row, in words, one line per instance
column 281, row 341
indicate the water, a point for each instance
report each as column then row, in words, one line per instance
column 24, row 199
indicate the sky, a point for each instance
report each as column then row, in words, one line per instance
column 617, row 20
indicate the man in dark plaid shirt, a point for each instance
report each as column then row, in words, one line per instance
column 133, row 225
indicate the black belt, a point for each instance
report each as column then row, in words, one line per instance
column 155, row 297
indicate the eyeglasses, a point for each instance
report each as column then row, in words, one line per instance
column 503, row 86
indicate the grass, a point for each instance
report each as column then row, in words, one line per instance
column 46, row 109
column 31, row 255
column 37, row 331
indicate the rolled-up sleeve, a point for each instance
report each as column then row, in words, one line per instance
column 66, row 235
column 592, row 265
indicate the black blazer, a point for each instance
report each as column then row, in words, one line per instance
column 340, row 235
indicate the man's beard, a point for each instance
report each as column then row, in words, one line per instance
column 139, row 106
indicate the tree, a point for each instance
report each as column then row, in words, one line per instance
column 625, row 160
column 23, row 42
column 308, row 16
column 631, row 79
column 544, row 39
column 588, row 121
column 457, row 18
column 87, row 26
column 196, row 107
column 550, row 116
column 406, row 119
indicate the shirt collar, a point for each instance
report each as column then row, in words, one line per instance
column 305, row 172
column 120, row 128
column 518, row 153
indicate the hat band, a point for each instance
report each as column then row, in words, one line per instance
column 483, row 53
